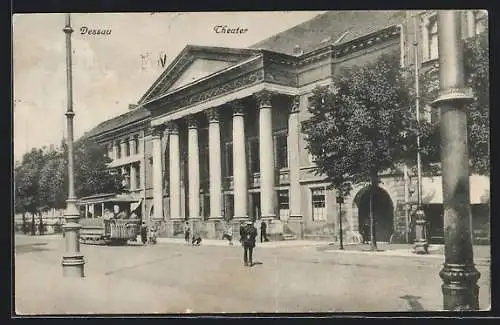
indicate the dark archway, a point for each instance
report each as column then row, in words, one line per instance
column 383, row 212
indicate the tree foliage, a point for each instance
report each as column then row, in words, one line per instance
column 41, row 180
column 476, row 70
column 363, row 124
column 91, row 173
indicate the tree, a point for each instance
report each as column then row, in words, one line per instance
column 362, row 125
column 92, row 176
column 53, row 181
column 476, row 70
column 27, row 185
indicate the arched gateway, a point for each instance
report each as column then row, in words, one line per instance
column 383, row 212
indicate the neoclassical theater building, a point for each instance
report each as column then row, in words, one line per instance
column 217, row 137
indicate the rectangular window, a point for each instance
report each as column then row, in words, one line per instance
column 254, row 155
column 137, row 145
column 127, row 148
column 228, row 158
column 118, row 150
column 204, row 161
column 228, row 206
column 433, row 39
column 283, row 204
column 311, row 159
column 281, row 150
column 206, row 207
column 137, row 175
column 318, row 204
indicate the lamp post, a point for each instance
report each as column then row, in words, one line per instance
column 459, row 275
column 421, row 244
column 340, row 201
column 72, row 260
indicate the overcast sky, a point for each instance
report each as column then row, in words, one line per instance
column 110, row 71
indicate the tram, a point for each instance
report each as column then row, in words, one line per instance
column 110, row 219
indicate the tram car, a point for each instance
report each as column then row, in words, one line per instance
column 109, row 219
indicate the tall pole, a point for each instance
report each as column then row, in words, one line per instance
column 72, row 261
column 421, row 244
column 340, row 200
column 459, row 275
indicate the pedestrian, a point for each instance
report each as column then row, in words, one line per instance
column 196, row 240
column 144, row 232
column 366, row 232
column 249, row 233
column 187, row 232
column 242, row 230
column 263, row 231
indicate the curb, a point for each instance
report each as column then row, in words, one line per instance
column 399, row 253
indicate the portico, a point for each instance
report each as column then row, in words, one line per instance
column 230, row 119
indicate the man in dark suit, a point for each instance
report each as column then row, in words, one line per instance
column 249, row 233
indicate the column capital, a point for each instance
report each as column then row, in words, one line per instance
column 263, row 98
column 192, row 122
column 295, row 104
column 237, row 107
column 157, row 131
column 173, row 127
column 213, row 115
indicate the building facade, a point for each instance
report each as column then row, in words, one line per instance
column 217, row 138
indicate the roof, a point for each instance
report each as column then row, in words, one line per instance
column 127, row 118
column 108, row 197
column 327, row 28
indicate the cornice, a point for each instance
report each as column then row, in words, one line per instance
column 123, row 130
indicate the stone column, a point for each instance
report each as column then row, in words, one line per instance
column 157, row 175
column 240, row 178
column 460, row 289
column 174, row 170
column 133, row 177
column 266, row 152
column 123, row 146
column 214, row 153
column 293, row 158
column 194, row 169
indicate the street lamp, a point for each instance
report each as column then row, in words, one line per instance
column 421, row 244
column 459, row 275
column 340, row 201
column 72, row 260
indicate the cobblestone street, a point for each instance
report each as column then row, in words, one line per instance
column 176, row 278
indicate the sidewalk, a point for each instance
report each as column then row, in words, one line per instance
column 269, row 244
column 481, row 253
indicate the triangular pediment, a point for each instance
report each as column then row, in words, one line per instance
column 195, row 63
column 198, row 69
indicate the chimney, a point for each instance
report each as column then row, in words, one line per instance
column 297, row 50
column 132, row 106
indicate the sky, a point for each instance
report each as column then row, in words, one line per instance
column 110, row 71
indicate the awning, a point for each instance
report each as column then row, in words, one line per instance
column 479, row 187
column 104, row 198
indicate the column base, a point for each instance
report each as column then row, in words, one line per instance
column 421, row 248
column 295, row 224
column 174, row 227
column 214, row 228
column 460, row 289
column 73, row 266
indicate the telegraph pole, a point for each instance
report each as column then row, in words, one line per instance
column 72, row 260
column 459, row 275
